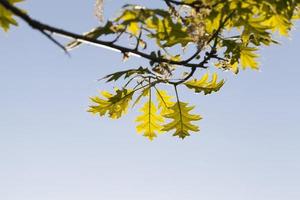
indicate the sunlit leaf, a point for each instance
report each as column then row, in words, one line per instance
column 181, row 120
column 226, row 34
column 149, row 121
column 204, row 85
column 248, row 57
column 164, row 101
column 144, row 93
column 115, row 105
column 280, row 23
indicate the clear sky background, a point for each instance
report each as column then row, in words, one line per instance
column 52, row 149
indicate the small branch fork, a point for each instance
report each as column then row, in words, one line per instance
column 209, row 55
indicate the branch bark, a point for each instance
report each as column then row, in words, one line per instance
column 48, row 30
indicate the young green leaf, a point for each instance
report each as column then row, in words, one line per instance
column 164, row 101
column 149, row 121
column 205, row 86
column 181, row 120
column 114, row 104
column 144, row 93
column 280, row 23
column 6, row 17
column 248, row 57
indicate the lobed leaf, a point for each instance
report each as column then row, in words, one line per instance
column 204, row 85
column 115, row 105
column 149, row 121
column 181, row 120
column 248, row 57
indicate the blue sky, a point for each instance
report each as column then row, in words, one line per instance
column 51, row 148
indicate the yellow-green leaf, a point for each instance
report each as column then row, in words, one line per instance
column 280, row 23
column 115, row 105
column 144, row 93
column 181, row 120
column 134, row 28
column 248, row 57
column 204, row 85
column 149, row 121
column 164, row 101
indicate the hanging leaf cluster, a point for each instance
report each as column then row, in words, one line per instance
column 227, row 36
column 186, row 43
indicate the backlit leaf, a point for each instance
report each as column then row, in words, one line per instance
column 280, row 23
column 149, row 121
column 115, row 105
column 181, row 120
column 164, row 101
column 204, row 85
column 248, row 58
column 144, row 93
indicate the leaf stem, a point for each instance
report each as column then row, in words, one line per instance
column 150, row 99
column 179, row 107
column 162, row 98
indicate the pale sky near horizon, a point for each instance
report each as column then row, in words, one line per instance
column 52, row 149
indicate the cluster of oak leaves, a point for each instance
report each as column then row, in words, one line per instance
column 233, row 30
